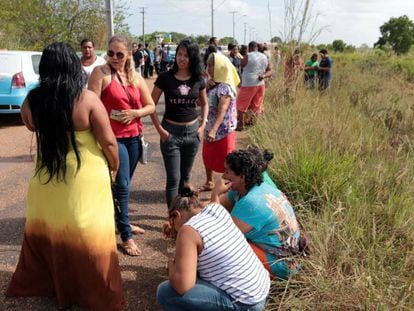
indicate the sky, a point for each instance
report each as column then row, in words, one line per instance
column 355, row 22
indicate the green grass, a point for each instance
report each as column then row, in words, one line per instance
column 345, row 160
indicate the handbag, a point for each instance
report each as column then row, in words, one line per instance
column 144, row 152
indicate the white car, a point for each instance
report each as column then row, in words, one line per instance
column 19, row 73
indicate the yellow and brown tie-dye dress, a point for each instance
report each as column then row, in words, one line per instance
column 69, row 246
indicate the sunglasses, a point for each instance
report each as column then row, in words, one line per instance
column 119, row 55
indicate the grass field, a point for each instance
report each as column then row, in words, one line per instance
column 345, row 160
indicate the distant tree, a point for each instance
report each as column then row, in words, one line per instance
column 338, row 45
column 177, row 36
column 350, row 48
column 321, row 46
column 33, row 24
column 227, row 40
column 202, row 39
column 276, row 40
column 399, row 33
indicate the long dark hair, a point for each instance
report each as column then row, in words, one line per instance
column 244, row 163
column 51, row 104
column 194, row 56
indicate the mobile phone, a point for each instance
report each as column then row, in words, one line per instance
column 115, row 115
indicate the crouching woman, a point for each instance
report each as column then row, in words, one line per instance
column 214, row 267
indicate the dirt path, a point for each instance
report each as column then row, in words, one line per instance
column 141, row 275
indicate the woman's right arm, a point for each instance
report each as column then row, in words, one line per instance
column 156, row 94
column 95, row 80
column 102, row 130
column 219, row 194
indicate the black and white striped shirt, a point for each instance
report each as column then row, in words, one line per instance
column 227, row 261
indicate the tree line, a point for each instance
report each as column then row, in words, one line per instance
column 32, row 24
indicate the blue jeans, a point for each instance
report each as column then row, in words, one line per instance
column 129, row 153
column 202, row 297
column 179, row 152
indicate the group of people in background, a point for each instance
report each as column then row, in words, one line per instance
column 149, row 60
column 88, row 126
column 317, row 74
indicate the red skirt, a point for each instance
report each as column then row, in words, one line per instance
column 214, row 153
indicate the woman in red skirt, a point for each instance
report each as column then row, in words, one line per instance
column 219, row 135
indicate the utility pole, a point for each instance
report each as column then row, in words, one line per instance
column 109, row 18
column 234, row 25
column 143, row 23
column 245, row 33
column 212, row 18
column 270, row 18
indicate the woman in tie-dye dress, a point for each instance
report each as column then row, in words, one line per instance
column 69, row 248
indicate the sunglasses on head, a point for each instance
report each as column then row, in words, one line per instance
column 119, row 55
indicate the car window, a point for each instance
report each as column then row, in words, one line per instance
column 35, row 63
column 10, row 63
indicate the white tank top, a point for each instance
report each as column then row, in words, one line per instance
column 227, row 261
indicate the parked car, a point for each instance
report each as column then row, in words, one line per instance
column 171, row 53
column 19, row 73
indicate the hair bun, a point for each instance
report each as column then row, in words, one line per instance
column 186, row 192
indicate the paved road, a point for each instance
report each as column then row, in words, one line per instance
column 140, row 275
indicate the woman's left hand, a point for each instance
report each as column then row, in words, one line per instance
column 211, row 136
column 126, row 116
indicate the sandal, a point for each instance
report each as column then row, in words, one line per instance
column 208, row 186
column 130, row 248
column 136, row 230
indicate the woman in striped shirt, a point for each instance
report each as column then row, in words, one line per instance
column 214, row 268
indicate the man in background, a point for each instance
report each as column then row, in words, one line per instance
column 324, row 70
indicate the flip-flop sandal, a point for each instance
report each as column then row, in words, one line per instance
column 137, row 230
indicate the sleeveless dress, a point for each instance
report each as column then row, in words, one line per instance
column 69, row 247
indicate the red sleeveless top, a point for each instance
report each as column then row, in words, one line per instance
column 115, row 97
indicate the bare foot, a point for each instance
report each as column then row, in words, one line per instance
column 137, row 230
column 130, row 248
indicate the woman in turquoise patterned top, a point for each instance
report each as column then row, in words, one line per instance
column 261, row 211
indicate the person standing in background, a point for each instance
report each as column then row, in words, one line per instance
column 137, row 57
column 164, row 58
column 311, row 71
column 181, row 129
column 147, row 61
column 251, row 94
column 127, row 99
column 324, row 70
column 88, row 59
column 157, row 60
column 294, row 66
column 235, row 57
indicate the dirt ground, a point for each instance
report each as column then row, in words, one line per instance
column 141, row 275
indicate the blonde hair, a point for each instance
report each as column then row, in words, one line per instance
column 129, row 67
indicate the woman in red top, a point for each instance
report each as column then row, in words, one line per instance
column 127, row 99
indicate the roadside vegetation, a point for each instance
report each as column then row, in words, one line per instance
column 346, row 161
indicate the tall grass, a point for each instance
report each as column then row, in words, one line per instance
column 345, row 160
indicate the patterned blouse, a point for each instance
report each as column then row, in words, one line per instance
column 230, row 118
